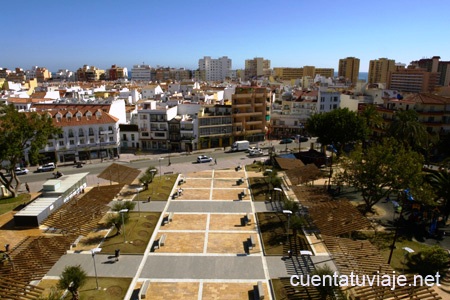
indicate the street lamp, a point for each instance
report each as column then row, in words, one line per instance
column 137, row 199
column 93, row 252
column 122, row 211
column 288, row 213
column 153, row 171
column 407, row 251
column 160, row 159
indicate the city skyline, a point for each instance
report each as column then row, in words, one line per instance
column 68, row 35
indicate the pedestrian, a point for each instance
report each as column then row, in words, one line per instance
column 149, row 198
column 215, row 161
column 7, row 248
column 27, row 187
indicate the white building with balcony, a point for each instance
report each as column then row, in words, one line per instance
column 87, row 133
column 153, row 125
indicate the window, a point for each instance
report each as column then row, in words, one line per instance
column 132, row 136
column 91, row 131
column 70, row 133
column 145, row 134
column 80, row 132
column 61, row 143
column 71, row 142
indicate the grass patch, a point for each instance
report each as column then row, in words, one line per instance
column 110, row 288
column 159, row 189
column 138, row 233
column 16, row 203
column 383, row 241
column 260, row 188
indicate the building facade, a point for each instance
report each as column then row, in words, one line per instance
column 250, row 112
column 215, row 69
column 413, row 80
column 349, row 69
column 141, row 73
column 90, row 73
column 379, row 70
column 257, row 67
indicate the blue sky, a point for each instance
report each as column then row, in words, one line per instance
column 291, row 33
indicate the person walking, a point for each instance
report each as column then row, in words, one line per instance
column 27, row 187
column 215, row 161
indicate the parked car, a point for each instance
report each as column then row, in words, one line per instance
column 251, row 149
column 21, row 171
column 300, row 138
column 46, row 168
column 203, row 159
column 255, row 152
column 286, row 141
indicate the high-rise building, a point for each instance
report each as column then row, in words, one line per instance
column 349, row 68
column 141, row 73
column 379, row 70
column 413, row 80
column 434, row 65
column 215, row 69
column 257, row 67
column 296, row 73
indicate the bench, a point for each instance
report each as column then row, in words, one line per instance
column 252, row 242
column 168, row 173
column 249, row 218
column 170, row 217
column 75, row 243
column 259, row 291
column 143, row 289
column 161, row 241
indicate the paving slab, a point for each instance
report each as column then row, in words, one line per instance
column 210, row 206
column 203, row 267
column 233, row 243
column 225, row 291
column 186, row 222
column 173, row 290
column 182, row 242
column 106, row 265
column 232, row 222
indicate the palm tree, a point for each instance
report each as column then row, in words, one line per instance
column 72, row 278
column 440, row 181
column 371, row 117
column 148, row 176
column 406, row 127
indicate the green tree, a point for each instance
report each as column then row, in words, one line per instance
column 405, row 127
column 381, row 169
column 440, row 181
column 115, row 219
column 338, row 127
column 72, row 278
column 429, row 261
column 371, row 117
column 148, row 176
column 21, row 132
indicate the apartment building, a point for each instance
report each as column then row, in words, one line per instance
column 215, row 69
column 153, row 125
column 141, row 73
column 349, row 69
column 379, row 70
column 413, row 80
column 116, row 73
column 433, row 110
column 296, row 73
column 215, row 126
column 165, row 74
column 90, row 73
column 328, row 100
column 151, row 91
column 87, row 133
column 250, row 112
column 257, row 67
column 434, row 65
column 288, row 119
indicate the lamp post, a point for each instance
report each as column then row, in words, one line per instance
column 407, row 251
column 160, row 159
column 288, row 213
column 122, row 211
column 93, row 252
column 137, row 199
column 153, row 171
